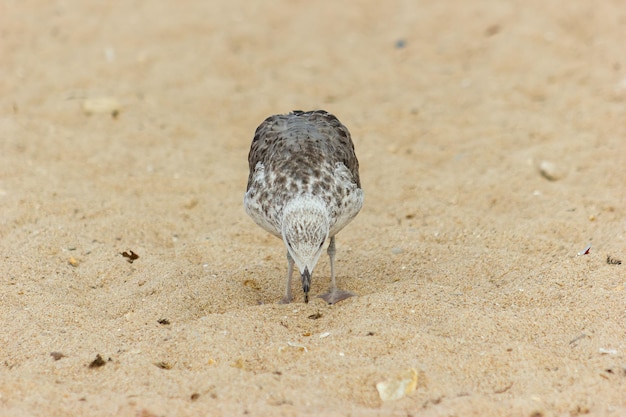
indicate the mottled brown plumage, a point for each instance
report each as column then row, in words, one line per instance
column 304, row 187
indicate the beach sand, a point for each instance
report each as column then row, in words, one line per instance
column 492, row 142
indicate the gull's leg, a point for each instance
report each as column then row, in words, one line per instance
column 331, row 251
column 287, row 298
column 334, row 295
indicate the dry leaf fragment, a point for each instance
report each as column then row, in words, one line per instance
column 98, row 362
column 130, row 257
column 612, row 261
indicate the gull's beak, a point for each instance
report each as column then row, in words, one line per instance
column 306, row 283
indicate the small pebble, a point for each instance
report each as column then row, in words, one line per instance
column 550, row 171
column 492, row 30
column 397, row 251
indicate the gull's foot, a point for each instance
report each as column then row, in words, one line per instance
column 334, row 296
column 285, row 300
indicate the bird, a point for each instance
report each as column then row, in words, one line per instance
column 304, row 187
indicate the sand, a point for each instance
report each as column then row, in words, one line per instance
column 492, row 143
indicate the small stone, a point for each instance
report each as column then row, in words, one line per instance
column 397, row 251
column 550, row 171
column 492, row 30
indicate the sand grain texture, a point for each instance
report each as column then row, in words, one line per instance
column 126, row 126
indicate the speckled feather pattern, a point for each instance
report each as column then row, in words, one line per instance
column 302, row 153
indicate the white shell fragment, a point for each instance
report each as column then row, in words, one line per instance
column 298, row 346
column 394, row 389
column 584, row 251
column 98, row 105
column 550, row 171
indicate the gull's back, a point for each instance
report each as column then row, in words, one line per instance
column 302, row 153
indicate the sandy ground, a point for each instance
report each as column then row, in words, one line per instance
column 126, row 126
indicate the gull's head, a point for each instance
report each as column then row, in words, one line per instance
column 305, row 228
